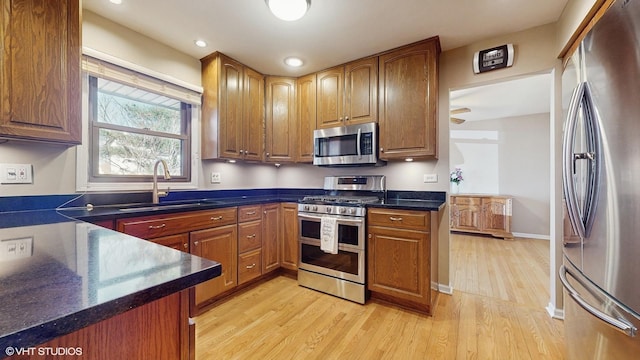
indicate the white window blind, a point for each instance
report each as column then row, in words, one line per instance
column 139, row 78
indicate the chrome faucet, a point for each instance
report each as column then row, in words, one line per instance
column 157, row 195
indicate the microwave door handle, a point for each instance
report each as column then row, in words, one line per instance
column 358, row 143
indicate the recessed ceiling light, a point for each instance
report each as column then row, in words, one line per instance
column 117, row 2
column 288, row 10
column 200, row 43
column 293, row 61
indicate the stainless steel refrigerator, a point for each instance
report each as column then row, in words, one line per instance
column 601, row 180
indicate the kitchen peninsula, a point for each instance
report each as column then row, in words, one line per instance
column 71, row 286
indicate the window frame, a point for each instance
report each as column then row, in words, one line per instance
column 94, row 133
column 120, row 69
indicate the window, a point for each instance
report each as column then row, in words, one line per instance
column 132, row 117
column 130, row 129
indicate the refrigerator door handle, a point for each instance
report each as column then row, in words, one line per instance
column 619, row 324
column 594, row 146
column 568, row 163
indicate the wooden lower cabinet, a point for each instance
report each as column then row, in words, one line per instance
column 219, row 244
column 400, row 257
column 157, row 330
column 178, row 242
column 289, row 234
column 482, row 214
column 270, row 237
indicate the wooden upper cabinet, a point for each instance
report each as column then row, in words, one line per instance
column 408, row 98
column 361, row 91
column 232, row 109
column 329, row 100
column 306, row 101
column 40, row 86
column 348, row 94
column 280, row 119
column 253, row 116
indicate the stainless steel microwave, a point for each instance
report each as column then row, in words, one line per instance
column 352, row 145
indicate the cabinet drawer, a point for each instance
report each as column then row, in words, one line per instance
column 465, row 200
column 149, row 227
column 249, row 236
column 405, row 219
column 249, row 213
column 249, row 266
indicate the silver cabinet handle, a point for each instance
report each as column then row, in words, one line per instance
column 251, row 213
column 155, row 227
column 395, row 218
column 251, row 236
column 268, row 154
column 215, row 218
column 251, row 266
column 195, row 243
column 346, row 118
column 241, row 152
column 185, row 245
column 619, row 324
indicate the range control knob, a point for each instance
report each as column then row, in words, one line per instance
column 306, row 208
column 342, row 210
column 314, row 208
column 352, row 211
column 329, row 209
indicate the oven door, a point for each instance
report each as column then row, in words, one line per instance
column 348, row 263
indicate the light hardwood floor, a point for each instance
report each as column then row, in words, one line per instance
column 281, row 320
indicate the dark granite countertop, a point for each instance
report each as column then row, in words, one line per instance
column 58, row 275
column 410, row 204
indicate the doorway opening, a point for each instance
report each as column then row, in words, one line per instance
column 500, row 143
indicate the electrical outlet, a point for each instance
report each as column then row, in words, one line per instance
column 16, row 174
column 12, row 249
column 215, row 178
column 430, row 178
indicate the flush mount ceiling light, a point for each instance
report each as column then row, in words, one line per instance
column 293, row 61
column 200, row 43
column 288, row 10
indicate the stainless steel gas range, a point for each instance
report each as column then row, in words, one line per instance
column 332, row 236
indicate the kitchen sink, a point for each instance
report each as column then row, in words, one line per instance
column 165, row 206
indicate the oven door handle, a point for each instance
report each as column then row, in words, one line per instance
column 341, row 219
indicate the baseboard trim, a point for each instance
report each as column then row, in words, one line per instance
column 555, row 313
column 532, row 236
column 445, row 289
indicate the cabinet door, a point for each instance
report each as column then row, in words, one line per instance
column 40, row 88
column 329, row 101
column 408, row 98
column 270, row 240
column 306, row 99
column 253, row 117
column 230, row 107
column 399, row 264
column 249, row 266
column 281, row 119
column 289, row 231
column 219, row 244
column 178, row 242
column 361, row 91
column 496, row 215
column 468, row 217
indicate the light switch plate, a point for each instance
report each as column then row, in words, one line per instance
column 16, row 174
column 13, row 249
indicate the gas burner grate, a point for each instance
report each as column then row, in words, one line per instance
column 341, row 199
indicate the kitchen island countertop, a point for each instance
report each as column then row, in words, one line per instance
column 58, row 275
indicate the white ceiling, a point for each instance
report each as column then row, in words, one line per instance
column 332, row 32
column 518, row 97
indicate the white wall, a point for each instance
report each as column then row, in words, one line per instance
column 508, row 156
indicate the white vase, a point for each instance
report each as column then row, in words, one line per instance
column 455, row 188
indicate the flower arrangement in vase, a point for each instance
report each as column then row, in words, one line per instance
column 456, row 178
